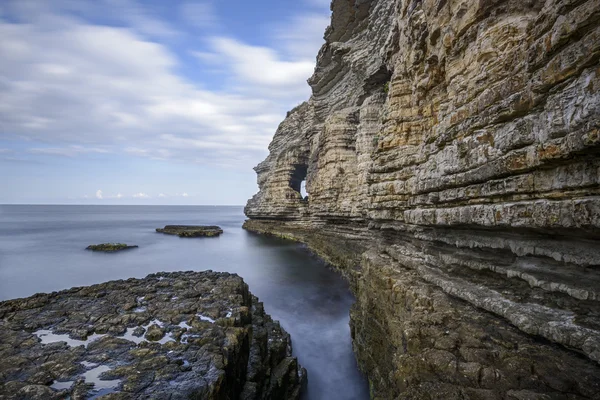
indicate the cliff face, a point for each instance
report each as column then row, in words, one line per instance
column 451, row 157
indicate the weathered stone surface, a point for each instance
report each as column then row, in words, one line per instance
column 174, row 335
column 451, row 157
column 191, row 230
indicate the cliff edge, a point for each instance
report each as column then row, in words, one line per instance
column 450, row 151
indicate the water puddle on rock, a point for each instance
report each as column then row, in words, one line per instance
column 205, row 318
column 184, row 325
column 48, row 337
column 93, row 376
column 88, row 364
column 62, row 385
column 130, row 334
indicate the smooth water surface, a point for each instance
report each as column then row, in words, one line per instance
column 42, row 250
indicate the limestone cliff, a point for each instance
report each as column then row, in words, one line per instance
column 451, row 157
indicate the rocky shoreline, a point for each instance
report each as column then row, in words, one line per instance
column 173, row 335
column 451, row 157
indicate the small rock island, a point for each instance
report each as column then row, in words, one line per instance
column 191, row 230
column 176, row 335
column 110, row 247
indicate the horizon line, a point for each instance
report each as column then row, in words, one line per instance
column 114, row 204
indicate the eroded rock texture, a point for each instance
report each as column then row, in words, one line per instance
column 180, row 335
column 451, row 157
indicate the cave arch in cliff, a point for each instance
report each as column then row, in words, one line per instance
column 298, row 179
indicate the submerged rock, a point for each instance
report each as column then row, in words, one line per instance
column 110, row 247
column 191, row 230
column 206, row 336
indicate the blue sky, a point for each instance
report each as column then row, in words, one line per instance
column 147, row 102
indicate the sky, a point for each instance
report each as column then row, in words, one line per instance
column 147, row 101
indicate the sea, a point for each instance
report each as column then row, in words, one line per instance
column 42, row 249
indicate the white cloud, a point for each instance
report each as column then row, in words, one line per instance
column 303, row 35
column 261, row 65
column 102, row 196
column 78, row 88
column 184, row 194
column 132, row 13
column 67, row 151
column 140, row 196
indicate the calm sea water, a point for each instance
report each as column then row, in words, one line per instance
column 42, row 250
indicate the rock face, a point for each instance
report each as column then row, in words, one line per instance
column 451, row 157
column 178, row 335
column 191, row 230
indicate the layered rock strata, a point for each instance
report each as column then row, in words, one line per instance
column 451, row 156
column 185, row 335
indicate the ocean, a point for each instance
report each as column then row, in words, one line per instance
column 42, row 249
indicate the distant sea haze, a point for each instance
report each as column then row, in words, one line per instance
column 42, row 249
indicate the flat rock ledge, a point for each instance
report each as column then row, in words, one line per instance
column 191, row 230
column 110, row 247
column 180, row 335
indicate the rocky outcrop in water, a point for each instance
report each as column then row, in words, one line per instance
column 110, row 247
column 191, row 230
column 451, row 156
column 178, row 335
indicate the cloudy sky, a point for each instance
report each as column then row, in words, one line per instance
column 147, row 102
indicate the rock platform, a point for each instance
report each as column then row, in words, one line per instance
column 177, row 335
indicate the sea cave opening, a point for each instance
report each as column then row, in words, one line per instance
column 298, row 180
